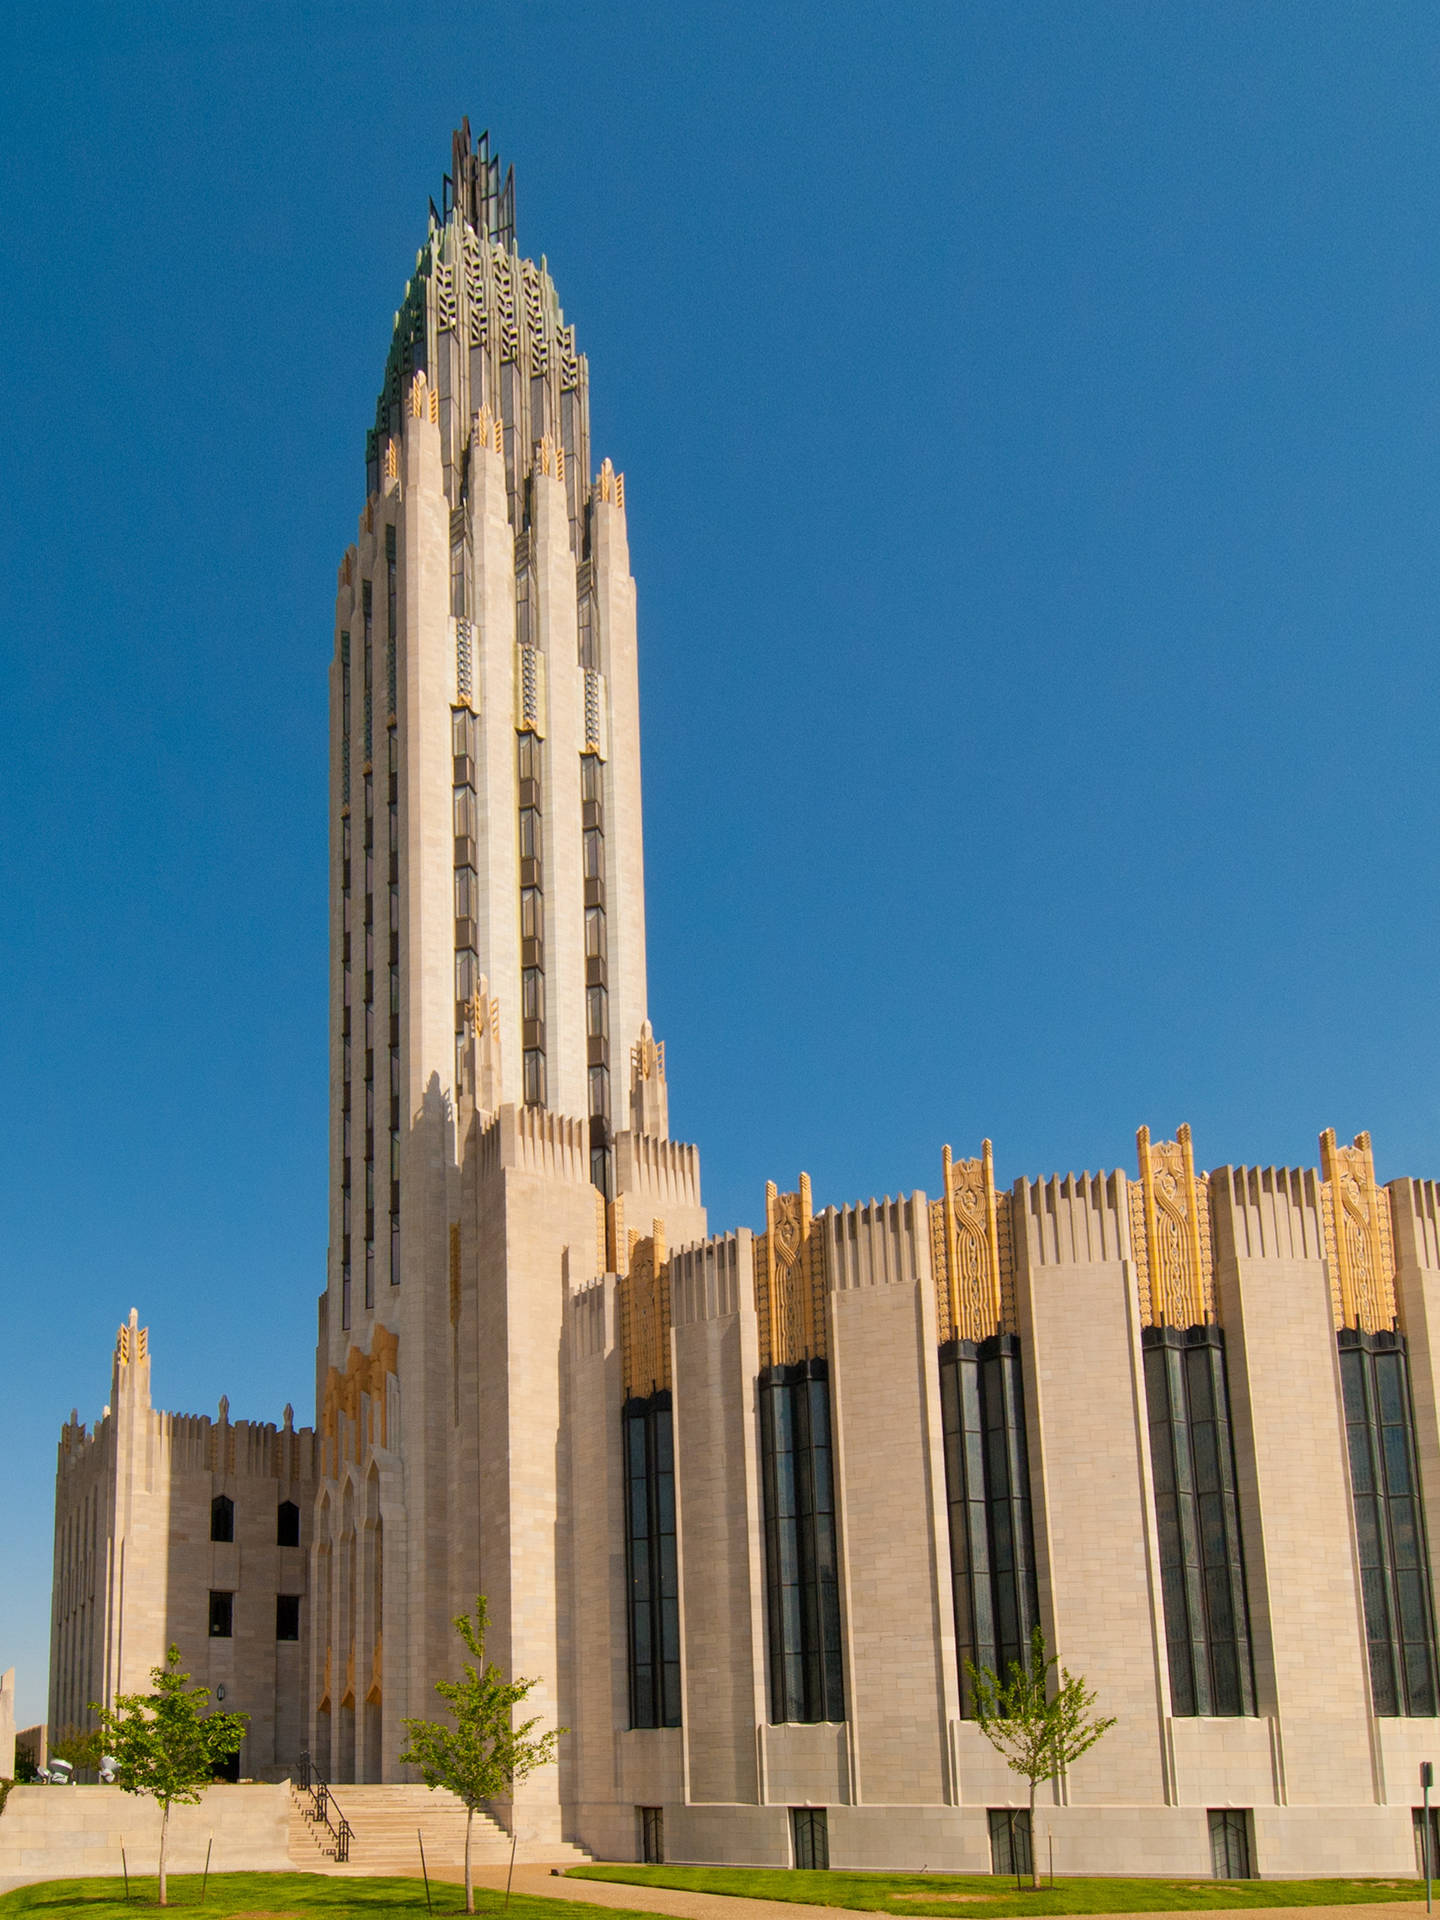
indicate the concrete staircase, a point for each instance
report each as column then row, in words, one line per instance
column 387, row 1824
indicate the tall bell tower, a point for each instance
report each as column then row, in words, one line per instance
column 498, row 1098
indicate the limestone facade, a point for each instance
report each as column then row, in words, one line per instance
column 744, row 1506
column 176, row 1529
column 1323, row 1771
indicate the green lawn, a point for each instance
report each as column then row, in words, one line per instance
column 231, row 1895
column 962, row 1895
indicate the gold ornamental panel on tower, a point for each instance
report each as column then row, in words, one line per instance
column 1359, row 1236
column 644, row 1301
column 1170, row 1234
column 972, row 1251
column 790, row 1279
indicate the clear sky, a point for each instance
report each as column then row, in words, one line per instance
column 1029, row 420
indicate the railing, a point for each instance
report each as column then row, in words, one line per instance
column 323, row 1808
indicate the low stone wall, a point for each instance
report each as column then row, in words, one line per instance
column 60, row 1833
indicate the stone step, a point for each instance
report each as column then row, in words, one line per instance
column 388, row 1823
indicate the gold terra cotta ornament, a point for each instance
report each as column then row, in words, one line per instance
column 1170, row 1234
column 1359, row 1236
column 971, row 1250
column 644, row 1301
column 363, row 1379
column 790, row 1279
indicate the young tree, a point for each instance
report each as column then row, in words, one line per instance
column 164, row 1745
column 483, row 1754
column 81, row 1749
column 1036, row 1732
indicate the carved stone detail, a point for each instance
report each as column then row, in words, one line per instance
column 1170, row 1234
column 364, row 1379
column 649, row 1095
column 790, row 1279
column 645, row 1316
column 972, row 1251
column 1359, row 1236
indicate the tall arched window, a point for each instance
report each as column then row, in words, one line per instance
column 222, row 1517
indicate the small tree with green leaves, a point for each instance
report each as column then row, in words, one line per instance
column 163, row 1743
column 81, row 1749
column 1038, row 1733
column 484, row 1753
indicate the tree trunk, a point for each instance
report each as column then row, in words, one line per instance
column 164, row 1829
column 469, row 1878
column 1034, row 1841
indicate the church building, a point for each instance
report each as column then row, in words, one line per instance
column 750, row 1506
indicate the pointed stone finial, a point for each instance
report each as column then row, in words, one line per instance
column 289, row 1417
column 649, row 1095
column 224, row 1408
column 480, row 1069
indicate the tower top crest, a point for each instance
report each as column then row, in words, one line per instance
column 473, row 187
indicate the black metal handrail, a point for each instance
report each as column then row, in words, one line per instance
column 323, row 1803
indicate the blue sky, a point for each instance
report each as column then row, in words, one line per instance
column 1029, row 422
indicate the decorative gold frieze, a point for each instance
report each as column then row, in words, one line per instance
column 645, row 1316
column 617, row 1242
column 1359, row 1236
column 392, row 461
column 971, row 1251
column 790, row 1279
column 610, row 485
column 132, row 1342
column 424, row 400
column 1170, row 1233
column 550, row 457
column 488, row 429
column 364, row 1375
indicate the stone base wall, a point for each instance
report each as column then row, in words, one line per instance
column 60, row 1833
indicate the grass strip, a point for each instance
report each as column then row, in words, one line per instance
column 973, row 1894
column 278, row 1896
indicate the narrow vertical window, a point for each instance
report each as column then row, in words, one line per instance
column 344, row 718
column 1197, row 1513
column 393, row 960
column 654, row 1624
column 1230, row 1842
column 465, row 757
column 1009, row 1841
column 1389, row 1524
column 801, row 1552
column 390, row 596
column 597, row 985
column 987, row 1479
column 369, row 831
column 810, row 1838
column 532, row 888
column 652, row 1835
column 367, row 660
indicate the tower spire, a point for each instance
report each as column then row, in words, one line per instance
column 474, row 187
